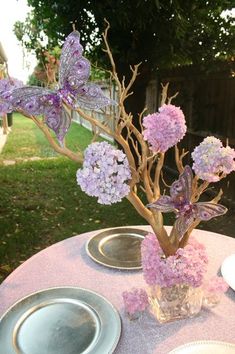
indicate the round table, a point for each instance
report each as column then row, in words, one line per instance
column 67, row 264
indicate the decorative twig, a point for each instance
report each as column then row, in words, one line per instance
column 158, row 170
column 164, row 93
column 179, row 158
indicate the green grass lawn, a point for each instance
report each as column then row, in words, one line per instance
column 40, row 201
column 27, row 140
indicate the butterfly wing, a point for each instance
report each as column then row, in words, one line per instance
column 59, row 120
column 181, row 190
column 163, row 204
column 183, row 223
column 74, row 69
column 206, row 211
column 30, row 99
column 36, row 101
column 74, row 73
column 91, row 97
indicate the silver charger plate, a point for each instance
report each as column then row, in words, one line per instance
column 60, row 320
column 205, row 347
column 228, row 270
column 117, row 248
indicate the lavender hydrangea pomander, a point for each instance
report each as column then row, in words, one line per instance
column 7, row 85
column 164, row 129
column 211, row 159
column 105, row 173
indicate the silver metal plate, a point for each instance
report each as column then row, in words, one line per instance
column 117, row 248
column 58, row 321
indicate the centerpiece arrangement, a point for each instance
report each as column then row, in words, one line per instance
column 174, row 264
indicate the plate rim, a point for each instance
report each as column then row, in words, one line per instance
column 114, row 309
column 117, row 229
column 202, row 342
column 222, row 270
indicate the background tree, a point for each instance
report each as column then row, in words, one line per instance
column 160, row 34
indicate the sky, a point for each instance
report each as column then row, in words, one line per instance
column 10, row 12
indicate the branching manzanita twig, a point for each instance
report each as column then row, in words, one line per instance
column 157, row 175
column 146, row 172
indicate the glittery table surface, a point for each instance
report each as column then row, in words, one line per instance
column 67, row 264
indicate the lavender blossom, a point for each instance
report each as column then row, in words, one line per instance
column 211, row 159
column 164, row 129
column 215, row 285
column 105, row 173
column 6, row 87
column 213, row 290
column 135, row 300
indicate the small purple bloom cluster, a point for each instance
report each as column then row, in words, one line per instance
column 164, row 129
column 215, row 285
column 211, row 159
column 135, row 300
column 6, row 87
column 187, row 266
column 105, row 173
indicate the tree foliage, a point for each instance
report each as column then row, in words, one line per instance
column 165, row 33
column 158, row 33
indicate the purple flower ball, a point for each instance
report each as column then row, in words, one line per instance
column 164, row 129
column 211, row 159
column 105, row 173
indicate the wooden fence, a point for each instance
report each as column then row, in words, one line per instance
column 208, row 102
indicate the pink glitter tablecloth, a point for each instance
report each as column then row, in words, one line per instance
column 67, row 264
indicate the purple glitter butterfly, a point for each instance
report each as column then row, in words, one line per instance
column 73, row 90
column 179, row 202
